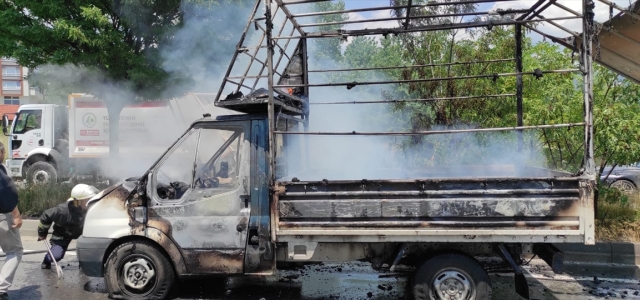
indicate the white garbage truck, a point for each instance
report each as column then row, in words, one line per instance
column 50, row 143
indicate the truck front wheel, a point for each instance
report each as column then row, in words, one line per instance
column 42, row 173
column 451, row 277
column 138, row 270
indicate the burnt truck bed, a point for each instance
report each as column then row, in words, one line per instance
column 548, row 206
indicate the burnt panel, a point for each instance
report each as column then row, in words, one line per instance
column 214, row 261
column 333, row 208
column 408, row 208
column 552, row 203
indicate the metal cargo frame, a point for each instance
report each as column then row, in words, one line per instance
column 270, row 18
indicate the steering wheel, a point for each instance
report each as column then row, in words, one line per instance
column 207, row 183
column 207, row 177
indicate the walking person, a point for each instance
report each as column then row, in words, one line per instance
column 67, row 219
column 10, row 223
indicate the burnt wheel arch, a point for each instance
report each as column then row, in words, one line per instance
column 36, row 158
column 131, row 238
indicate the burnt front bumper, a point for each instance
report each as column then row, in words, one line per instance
column 91, row 253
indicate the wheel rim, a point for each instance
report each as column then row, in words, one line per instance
column 452, row 285
column 138, row 275
column 41, row 177
column 624, row 186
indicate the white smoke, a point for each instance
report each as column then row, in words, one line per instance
column 198, row 54
column 352, row 157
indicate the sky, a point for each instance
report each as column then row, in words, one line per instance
column 601, row 10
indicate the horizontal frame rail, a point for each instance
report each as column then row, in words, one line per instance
column 356, row 83
column 373, row 20
column 432, row 4
column 384, row 31
column 434, row 132
column 433, row 193
column 415, row 66
column 415, row 100
column 423, row 224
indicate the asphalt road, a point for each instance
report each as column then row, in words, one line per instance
column 353, row 281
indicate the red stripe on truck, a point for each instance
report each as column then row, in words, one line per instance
column 99, row 104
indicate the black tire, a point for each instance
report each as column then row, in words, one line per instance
column 440, row 268
column 42, row 173
column 141, row 253
column 625, row 186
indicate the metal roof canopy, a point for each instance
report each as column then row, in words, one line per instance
column 619, row 39
column 265, row 57
column 283, row 21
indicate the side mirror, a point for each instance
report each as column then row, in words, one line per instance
column 5, row 125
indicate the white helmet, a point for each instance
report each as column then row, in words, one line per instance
column 82, row 192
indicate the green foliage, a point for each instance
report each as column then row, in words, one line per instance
column 95, row 34
column 612, row 195
column 327, row 52
column 551, row 99
column 616, row 118
column 123, row 41
column 614, row 205
column 51, row 87
column 34, row 199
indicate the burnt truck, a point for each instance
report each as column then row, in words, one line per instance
column 222, row 201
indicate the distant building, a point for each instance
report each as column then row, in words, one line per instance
column 15, row 88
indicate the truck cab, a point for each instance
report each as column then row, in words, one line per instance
column 37, row 142
column 201, row 209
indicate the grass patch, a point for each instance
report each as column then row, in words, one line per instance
column 614, row 205
column 617, row 231
column 618, row 218
column 36, row 199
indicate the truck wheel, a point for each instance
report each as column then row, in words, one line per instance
column 138, row 270
column 42, row 173
column 624, row 186
column 451, row 277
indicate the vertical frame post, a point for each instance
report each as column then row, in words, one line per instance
column 588, row 191
column 305, row 116
column 587, row 71
column 519, row 84
column 270, row 106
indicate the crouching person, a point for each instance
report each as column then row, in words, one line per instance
column 67, row 219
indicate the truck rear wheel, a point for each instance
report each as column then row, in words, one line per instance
column 42, row 173
column 138, row 270
column 451, row 277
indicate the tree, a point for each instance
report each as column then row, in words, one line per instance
column 551, row 99
column 123, row 46
column 53, row 88
column 327, row 52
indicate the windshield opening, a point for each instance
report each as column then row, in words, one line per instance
column 27, row 120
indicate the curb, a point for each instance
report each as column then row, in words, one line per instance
column 30, row 228
column 624, row 253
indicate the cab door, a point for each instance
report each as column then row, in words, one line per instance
column 27, row 133
column 201, row 189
